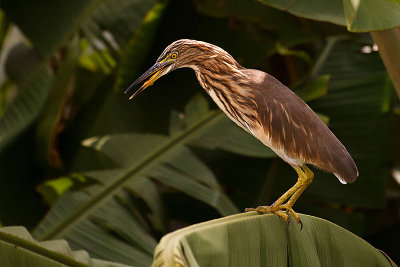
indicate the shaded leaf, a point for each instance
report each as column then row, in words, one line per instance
column 284, row 28
column 315, row 89
column 51, row 123
column 49, row 24
column 149, row 152
column 324, row 10
column 147, row 190
column 103, row 244
column 135, row 52
column 229, row 137
column 358, row 16
column 185, row 183
column 34, row 82
column 370, row 15
column 90, row 231
column 18, row 248
column 284, row 51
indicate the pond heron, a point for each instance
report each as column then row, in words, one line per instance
column 265, row 108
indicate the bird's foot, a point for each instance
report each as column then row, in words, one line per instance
column 278, row 210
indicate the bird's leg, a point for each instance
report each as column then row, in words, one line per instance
column 305, row 177
column 309, row 176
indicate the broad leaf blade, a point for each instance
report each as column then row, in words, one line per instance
column 49, row 24
column 50, row 121
column 358, row 16
column 136, row 163
column 136, row 50
column 92, row 232
column 253, row 240
column 227, row 136
column 371, row 15
column 18, row 248
column 324, row 10
column 34, row 81
column 185, row 183
column 201, row 187
column 146, row 189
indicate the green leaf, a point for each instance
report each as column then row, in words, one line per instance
column 149, row 152
column 136, row 50
column 130, row 150
column 114, row 217
column 104, row 244
column 315, row 89
column 50, row 24
column 285, row 51
column 324, row 10
column 227, row 136
column 18, row 248
column 34, row 81
column 244, row 10
column 253, row 240
column 388, row 43
column 147, row 190
column 50, row 122
column 185, row 183
column 193, row 167
column 371, row 15
column 358, row 16
column 92, row 231
column 51, row 190
column 281, row 27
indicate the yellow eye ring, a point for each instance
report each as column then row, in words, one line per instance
column 174, row 55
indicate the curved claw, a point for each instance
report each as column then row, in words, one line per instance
column 278, row 210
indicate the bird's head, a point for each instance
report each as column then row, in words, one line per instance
column 172, row 58
column 179, row 54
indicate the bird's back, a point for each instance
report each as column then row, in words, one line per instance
column 293, row 130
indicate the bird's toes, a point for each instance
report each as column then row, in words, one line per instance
column 290, row 210
column 261, row 209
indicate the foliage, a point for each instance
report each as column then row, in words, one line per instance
column 120, row 174
column 17, row 248
column 355, row 15
column 252, row 240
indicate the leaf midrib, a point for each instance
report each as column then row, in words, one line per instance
column 152, row 159
column 39, row 250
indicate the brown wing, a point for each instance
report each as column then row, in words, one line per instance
column 295, row 129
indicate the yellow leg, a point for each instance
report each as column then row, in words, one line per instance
column 305, row 177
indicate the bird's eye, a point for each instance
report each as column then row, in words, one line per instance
column 174, row 55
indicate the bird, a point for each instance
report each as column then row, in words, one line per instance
column 265, row 108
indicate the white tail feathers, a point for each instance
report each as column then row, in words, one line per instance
column 343, row 181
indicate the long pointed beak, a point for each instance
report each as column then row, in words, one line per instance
column 156, row 71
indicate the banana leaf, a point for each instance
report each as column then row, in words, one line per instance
column 30, row 73
column 50, row 24
column 358, row 16
column 18, row 248
column 252, row 240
